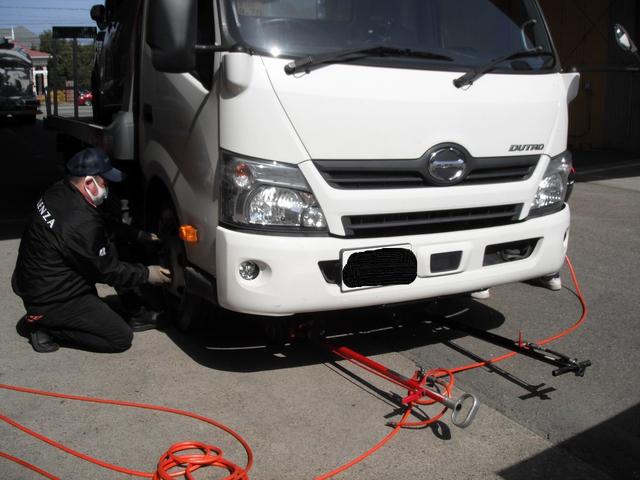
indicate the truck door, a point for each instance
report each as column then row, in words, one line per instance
column 178, row 136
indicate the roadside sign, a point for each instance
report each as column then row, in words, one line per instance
column 74, row 32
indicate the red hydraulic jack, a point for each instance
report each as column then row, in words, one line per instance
column 463, row 410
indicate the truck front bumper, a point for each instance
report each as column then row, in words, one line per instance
column 18, row 108
column 291, row 281
column 26, row 112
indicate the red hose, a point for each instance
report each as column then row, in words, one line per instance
column 213, row 456
column 19, row 461
column 369, row 452
column 573, row 327
column 210, row 456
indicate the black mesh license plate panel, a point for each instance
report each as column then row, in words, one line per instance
column 381, row 267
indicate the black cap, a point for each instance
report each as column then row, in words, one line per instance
column 93, row 161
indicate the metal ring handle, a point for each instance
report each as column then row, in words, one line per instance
column 458, row 407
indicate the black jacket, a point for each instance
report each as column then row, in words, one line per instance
column 66, row 249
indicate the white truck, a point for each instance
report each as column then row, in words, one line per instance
column 329, row 154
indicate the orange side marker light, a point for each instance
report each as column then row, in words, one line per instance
column 189, row 233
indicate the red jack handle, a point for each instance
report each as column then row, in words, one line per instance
column 415, row 387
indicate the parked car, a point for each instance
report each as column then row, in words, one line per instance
column 85, row 98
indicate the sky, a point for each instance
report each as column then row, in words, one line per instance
column 39, row 15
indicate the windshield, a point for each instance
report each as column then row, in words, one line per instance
column 15, row 78
column 472, row 32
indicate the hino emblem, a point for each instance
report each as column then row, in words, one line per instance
column 447, row 166
column 526, row 148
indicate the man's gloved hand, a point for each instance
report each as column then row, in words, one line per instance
column 159, row 275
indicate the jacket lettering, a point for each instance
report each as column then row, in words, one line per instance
column 45, row 214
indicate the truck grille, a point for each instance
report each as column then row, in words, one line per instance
column 414, row 223
column 377, row 174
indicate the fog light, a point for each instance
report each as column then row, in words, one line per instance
column 249, row 270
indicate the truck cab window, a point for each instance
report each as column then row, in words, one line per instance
column 469, row 31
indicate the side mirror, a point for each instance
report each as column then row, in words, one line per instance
column 98, row 14
column 171, row 34
column 238, row 70
column 624, row 39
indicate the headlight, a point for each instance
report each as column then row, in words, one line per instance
column 552, row 190
column 267, row 194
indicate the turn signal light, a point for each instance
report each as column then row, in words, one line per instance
column 189, row 233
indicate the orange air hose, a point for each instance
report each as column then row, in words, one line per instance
column 209, row 456
column 213, row 456
column 573, row 327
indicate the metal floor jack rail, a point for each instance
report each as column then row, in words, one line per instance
column 564, row 363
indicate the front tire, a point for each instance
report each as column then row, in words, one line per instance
column 187, row 311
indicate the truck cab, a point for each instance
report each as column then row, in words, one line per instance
column 321, row 154
column 17, row 93
column 110, row 77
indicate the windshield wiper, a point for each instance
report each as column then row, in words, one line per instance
column 471, row 76
column 305, row 63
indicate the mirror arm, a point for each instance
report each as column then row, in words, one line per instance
column 223, row 48
column 211, row 48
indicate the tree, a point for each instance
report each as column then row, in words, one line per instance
column 61, row 64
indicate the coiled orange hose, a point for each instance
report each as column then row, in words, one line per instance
column 168, row 460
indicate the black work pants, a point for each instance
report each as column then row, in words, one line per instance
column 86, row 322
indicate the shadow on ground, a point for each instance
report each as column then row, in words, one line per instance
column 236, row 342
column 621, row 462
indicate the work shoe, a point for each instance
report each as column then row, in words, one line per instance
column 481, row 294
column 552, row 282
column 24, row 328
column 147, row 320
column 41, row 341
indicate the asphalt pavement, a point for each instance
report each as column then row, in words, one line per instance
column 597, row 417
column 304, row 412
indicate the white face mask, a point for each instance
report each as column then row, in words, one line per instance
column 101, row 196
